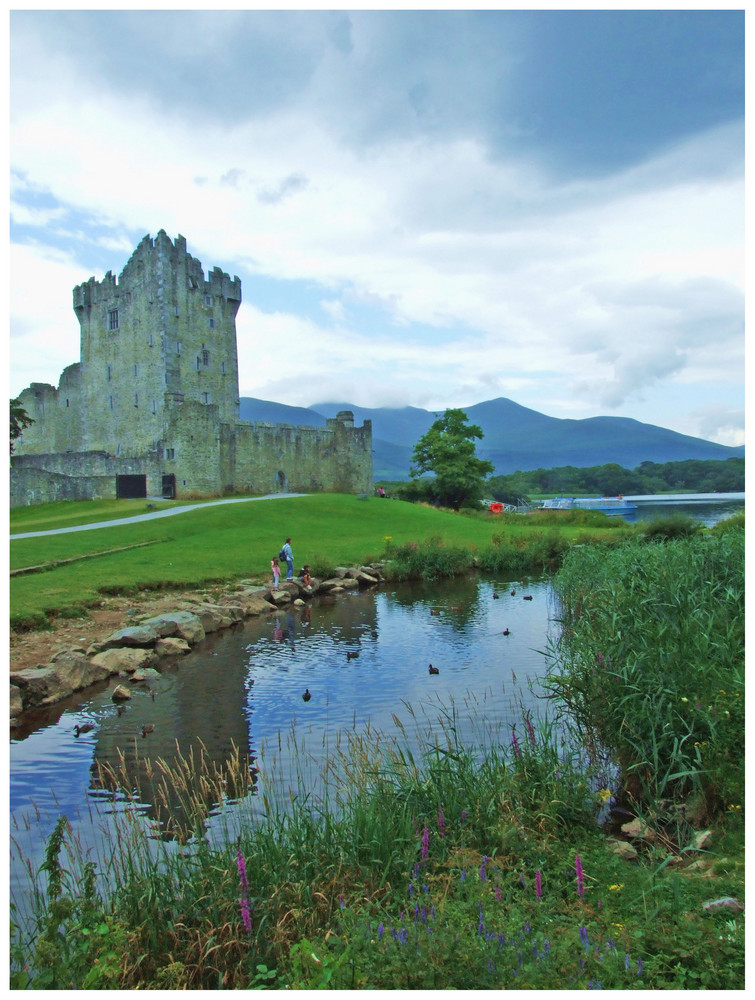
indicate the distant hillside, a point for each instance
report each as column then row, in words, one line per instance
column 516, row 438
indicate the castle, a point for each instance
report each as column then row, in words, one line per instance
column 152, row 407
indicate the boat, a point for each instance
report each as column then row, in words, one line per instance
column 606, row 505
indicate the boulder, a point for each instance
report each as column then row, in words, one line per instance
column 124, row 660
column 251, row 603
column 215, row 617
column 48, row 684
column 172, row 645
column 136, row 635
column 182, row 624
column 365, row 579
column 279, row 597
column 148, row 674
column 120, row 693
column 16, row 701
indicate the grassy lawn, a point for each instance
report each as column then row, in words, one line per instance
column 227, row 542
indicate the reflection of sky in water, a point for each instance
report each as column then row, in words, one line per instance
column 244, row 686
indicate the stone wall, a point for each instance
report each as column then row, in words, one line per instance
column 156, row 391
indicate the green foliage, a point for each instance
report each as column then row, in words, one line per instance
column 19, row 419
column 448, row 450
column 693, row 475
column 428, row 560
column 651, row 663
column 675, row 526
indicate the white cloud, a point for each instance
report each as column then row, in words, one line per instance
column 542, row 289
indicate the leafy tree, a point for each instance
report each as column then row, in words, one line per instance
column 19, row 419
column 448, row 449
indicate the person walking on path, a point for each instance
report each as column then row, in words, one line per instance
column 288, row 555
column 275, row 565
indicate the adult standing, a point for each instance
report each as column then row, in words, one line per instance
column 288, row 555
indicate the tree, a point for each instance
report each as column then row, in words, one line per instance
column 19, row 419
column 448, row 450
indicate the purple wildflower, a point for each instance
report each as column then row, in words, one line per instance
column 246, row 916
column 244, row 903
column 441, row 823
column 538, row 885
column 521, row 879
column 626, row 962
column 515, row 744
column 600, row 659
column 530, row 730
column 381, row 930
column 241, row 865
column 497, row 893
column 425, row 843
column 463, row 815
column 463, row 875
column 483, row 874
column 639, row 966
column 584, row 938
column 580, row 875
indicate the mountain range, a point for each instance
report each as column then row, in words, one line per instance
column 516, row 438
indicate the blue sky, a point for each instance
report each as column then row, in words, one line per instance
column 426, row 208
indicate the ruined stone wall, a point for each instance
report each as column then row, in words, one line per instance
column 271, row 458
column 29, row 486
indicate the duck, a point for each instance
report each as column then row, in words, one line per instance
column 435, row 612
column 527, row 597
column 495, row 596
column 306, row 696
column 352, row 656
column 513, row 592
column 148, row 728
column 86, row 728
column 507, row 631
column 433, row 670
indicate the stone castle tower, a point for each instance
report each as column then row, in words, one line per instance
column 155, row 397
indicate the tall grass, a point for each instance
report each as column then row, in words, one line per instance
column 418, row 863
column 651, row 663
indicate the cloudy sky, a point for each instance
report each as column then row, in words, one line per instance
column 427, row 208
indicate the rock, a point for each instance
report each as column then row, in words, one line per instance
column 638, row 828
column 623, row 849
column 251, row 603
column 137, row 635
column 214, row 617
column 183, row 624
column 725, row 903
column 120, row 693
column 279, row 597
column 124, row 660
column 47, row 684
column 148, row 674
column 172, row 646
column 366, row 579
column 16, row 701
column 702, row 840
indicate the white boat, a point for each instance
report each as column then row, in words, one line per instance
column 606, row 505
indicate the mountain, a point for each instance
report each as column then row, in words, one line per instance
column 515, row 437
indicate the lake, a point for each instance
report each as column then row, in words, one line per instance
column 365, row 660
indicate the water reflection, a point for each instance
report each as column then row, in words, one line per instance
column 363, row 657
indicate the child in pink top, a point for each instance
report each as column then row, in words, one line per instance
column 276, row 570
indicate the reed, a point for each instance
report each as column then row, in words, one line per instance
column 651, row 664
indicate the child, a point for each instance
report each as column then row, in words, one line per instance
column 305, row 576
column 275, row 566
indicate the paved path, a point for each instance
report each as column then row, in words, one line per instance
column 152, row 515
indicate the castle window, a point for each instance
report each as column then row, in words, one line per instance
column 113, row 319
column 111, row 402
column 222, row 367
column 205, row 397
column 68, row 402
column 136, row 399
column 211, row 323
column 136, row 369
column 154, row 406
column 205, row 358
column 170, row 452
column 178, row 347
column 208, row 300
column 151, row 341
column 109, row 373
